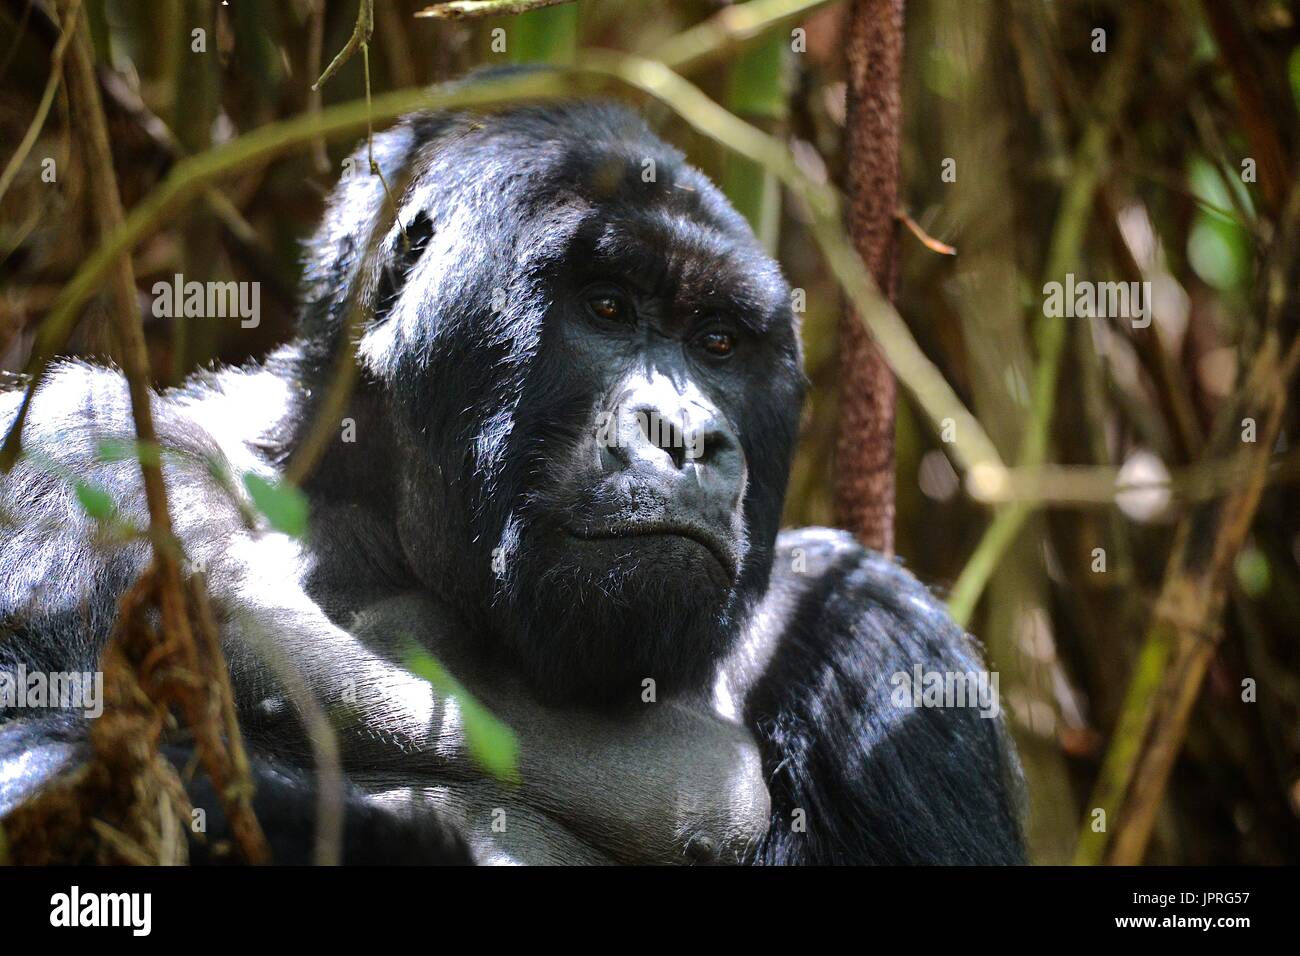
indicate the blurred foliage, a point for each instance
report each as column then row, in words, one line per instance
column 1006, row 90
column 283, row 505
column 491, row 743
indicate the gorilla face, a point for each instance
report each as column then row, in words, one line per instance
column 595, row 376
column 659, row 462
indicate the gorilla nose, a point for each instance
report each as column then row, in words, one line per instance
column 675, row 439
column 669, row 447
column 670, row 465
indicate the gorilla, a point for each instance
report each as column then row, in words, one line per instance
column 560, row 473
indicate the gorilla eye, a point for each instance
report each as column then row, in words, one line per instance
column 717, row 344
column 607, row 306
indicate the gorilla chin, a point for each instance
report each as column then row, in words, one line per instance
column 616, row 606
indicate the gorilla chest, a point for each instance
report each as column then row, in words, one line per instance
column 678, row 780
column 675, row 784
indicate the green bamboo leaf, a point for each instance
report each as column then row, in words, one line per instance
column 1219, row 252
column 548, row 35
column 112, row 450
column 283, row 505
column 1293, row 71
column 1253, row 572
column 97, row 502
column 492, row 744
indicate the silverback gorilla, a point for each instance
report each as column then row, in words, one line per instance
column 580, row 383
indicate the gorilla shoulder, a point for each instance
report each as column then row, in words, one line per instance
column 857, row 772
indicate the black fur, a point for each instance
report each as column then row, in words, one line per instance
column 478, row 382
column 881, row 784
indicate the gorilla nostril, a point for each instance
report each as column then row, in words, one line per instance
column 611, row 457
column 646, row 428
column 663, row 434
column 644, row 435
column 711, row 444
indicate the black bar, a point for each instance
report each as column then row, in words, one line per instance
column 306, row 905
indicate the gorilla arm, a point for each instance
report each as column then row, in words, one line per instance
column 59, row 586
column 854, row 776
column 667, row 782
column 796, row 754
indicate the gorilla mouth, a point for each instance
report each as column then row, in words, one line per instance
column 705, row 539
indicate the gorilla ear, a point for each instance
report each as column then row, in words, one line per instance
column 408, row 245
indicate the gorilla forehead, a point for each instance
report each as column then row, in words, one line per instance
column 506, row 208
column 501, row 214
column 587, row 183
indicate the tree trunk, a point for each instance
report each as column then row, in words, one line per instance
column 864, row 446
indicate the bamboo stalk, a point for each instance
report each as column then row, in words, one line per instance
column 1185, row 628
column 756, row 92
column 1064, row 253
column 132, row 354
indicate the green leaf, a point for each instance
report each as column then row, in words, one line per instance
column 548, row 35
column 117, row 450
column 1208, row 186
column 97, row 502
column 1293, row 71
column 284, row 506
column 492, row 744
column 1253, row 573
column 1219, row 252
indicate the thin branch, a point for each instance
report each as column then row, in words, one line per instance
column 47, row 98
column 134, row 359
column 478, row 9
column 332, row 407
column 1100, row 485
column 727, row 30
column 133, row 353
column 321, row 738
column 359, row 40
column 927, row 240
